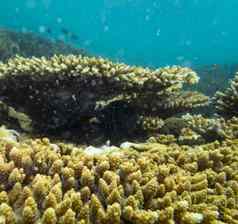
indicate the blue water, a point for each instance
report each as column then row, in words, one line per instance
column 145, row 32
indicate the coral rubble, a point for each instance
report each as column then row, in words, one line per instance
column 159, row 184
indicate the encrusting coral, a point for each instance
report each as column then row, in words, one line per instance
column 159, row 184
column 66, row 91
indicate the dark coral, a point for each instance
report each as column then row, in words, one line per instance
column 66, row 91
column 14, row 43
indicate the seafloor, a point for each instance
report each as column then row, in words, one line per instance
column 85, row 140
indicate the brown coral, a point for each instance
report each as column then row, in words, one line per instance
column 72, row 92
column 226, row 102
column 167, row 184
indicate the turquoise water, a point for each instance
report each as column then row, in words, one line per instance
column 145, row 32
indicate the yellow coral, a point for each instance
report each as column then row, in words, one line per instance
column 7, row 214
column 49, row 216
column 8, row 135
column 159, row 184
column 152, row 94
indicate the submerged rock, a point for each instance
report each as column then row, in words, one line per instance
column 14, row 43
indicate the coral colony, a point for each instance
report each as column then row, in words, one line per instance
column 185, row 171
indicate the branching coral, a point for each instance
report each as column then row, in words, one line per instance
column 66, row 91
column 195, row 130
column 160, row 184
column 211, row 129
column 227, row 102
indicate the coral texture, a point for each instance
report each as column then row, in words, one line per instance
column 226, row 102
column 151, row 183
column 194, row 129
column 66, row 91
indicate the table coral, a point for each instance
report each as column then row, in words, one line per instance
column 65, row 92
column 160, row 184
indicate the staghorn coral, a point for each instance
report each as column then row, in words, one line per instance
column 72, row 91
column 159, row 184
column 226, row 102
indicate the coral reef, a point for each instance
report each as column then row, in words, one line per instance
column 226, row 102
column 72, row 91
column 14, row 43
column 186, row 172
column 195, row 130
column 147, row 183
